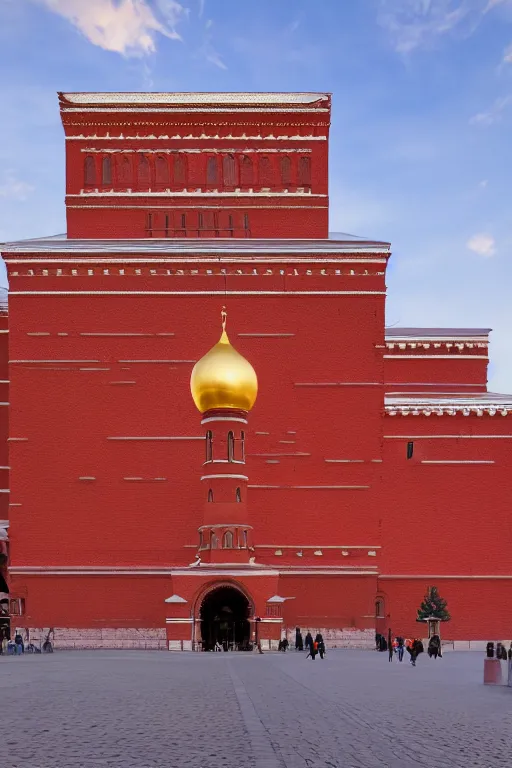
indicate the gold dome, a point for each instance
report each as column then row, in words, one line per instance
column 223, row 378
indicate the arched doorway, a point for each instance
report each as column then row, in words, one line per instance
column 224, row 617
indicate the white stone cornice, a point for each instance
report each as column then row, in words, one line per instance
column 417, row 344
column 499, row 405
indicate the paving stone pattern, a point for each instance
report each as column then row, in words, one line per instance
column 354, row 709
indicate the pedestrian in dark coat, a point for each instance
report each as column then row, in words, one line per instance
column 321, row 645
column 309, row 641
column 415, row 650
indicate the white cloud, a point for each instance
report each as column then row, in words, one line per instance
column 12, row 188
column 483, row 184
column 416, row 24
column 128, row 27
column 507, row 55
column 493, row 115
column 482, row 244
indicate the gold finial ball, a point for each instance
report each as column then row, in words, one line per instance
column 223, row 378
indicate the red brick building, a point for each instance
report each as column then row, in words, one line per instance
column 373, row 464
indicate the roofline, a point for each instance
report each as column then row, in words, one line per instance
column 195, row 99
column 191, row 245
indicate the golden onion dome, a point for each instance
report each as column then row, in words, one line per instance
column 223, row 378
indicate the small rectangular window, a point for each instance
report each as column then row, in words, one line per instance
column 200, row 221
column 246, row 221
column 183, row 221
column 410, row 450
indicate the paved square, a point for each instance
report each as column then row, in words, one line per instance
column 354, row 709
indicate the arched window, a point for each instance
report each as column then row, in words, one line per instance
column 246, row 172
column 89, row 171
column 265, row 172
column 209, row 446
column 180, row 170
column 286, row 171
column 210, row 495
column 162, row 170
column 228, row 540
column 214, row 543
column 231, row 446
column 143, row 172
column 106, row 170
column 242, row 445
column 212, row 171
column 304, row 172
column 125, row 171
column 229, row 171
column 379, row 608
column 238, row 495
column 244, row 539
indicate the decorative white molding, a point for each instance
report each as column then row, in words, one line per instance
column 189, row 293
column 312, row 487
column 450, row 405
column 224, row 477
column 453, row 461
column 223, row 418
column 266, row 335
column 344, row 461
column 177, row 437
column 447, row 437
column 199, row 99
column 18, row 362
column 186, row 151
column 167, row 362
column 191, row 137
column 198, row 192
column 339, row 383
column 428, row 577
column 316, row 546
column 436, row 357
column 175, row 599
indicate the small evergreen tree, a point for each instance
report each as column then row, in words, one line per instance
column 433, row 606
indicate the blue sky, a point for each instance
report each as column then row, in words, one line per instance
column 420, row 150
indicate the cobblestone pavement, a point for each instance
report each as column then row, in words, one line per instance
column 108, row 709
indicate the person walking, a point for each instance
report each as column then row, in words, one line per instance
column 299, row 642
column 415, row 650
column 313, row 650
column 309, row 641
column 18, row 642
column 321, row 645
column 400, row 647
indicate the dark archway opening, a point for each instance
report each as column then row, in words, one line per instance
column 225, row 620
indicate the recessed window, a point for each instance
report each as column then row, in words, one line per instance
column 162, row 170
column 90, row 171
column 106, row 171
column 246, row 171
column 265, row 172
column 238, row 495
column 228, row 540
column 125, row 171
column 143, row 171
column 410, row 450
column 286, row 171
column 214, row 542
column 231, row 446
column 180, row 170
column 229, row 171
column 304, row 172
column 210, row 495
column 212, row 171
column 379, row 608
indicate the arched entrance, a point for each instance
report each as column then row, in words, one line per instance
column 224, row 617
